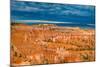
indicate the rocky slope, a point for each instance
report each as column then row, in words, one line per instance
column 48, row 44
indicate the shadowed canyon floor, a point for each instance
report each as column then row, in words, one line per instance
column 48, row 44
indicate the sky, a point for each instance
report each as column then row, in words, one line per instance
column 37, row 12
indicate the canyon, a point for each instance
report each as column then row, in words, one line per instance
column 51, row 44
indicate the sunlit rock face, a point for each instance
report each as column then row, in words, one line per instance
column 48, row 44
